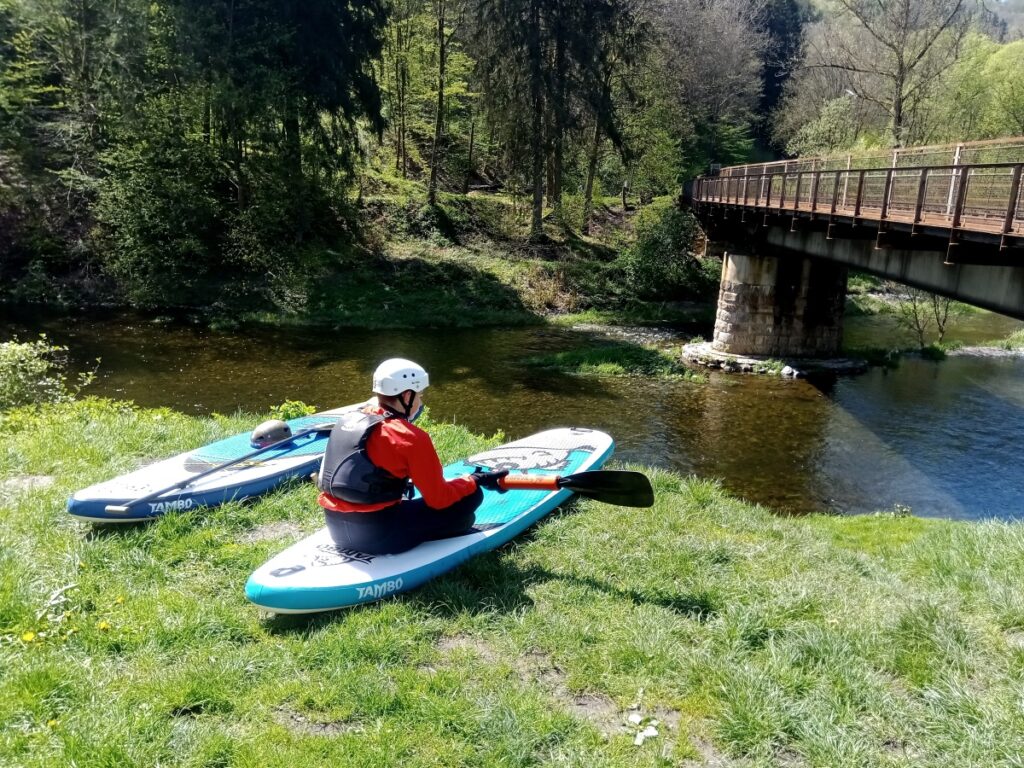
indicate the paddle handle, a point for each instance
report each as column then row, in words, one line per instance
column 530, row 482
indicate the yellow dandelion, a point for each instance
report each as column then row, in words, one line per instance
column 28, row 637
column 103, row 626
column 52, row 723
column 119, row 599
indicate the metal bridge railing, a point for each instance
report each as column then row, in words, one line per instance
column 983, row 197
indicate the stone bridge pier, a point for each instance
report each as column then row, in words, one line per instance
column 781, row 307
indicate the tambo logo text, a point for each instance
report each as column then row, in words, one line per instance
column 379, row 590
column 171, row 506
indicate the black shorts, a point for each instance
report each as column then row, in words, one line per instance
column 403, row 526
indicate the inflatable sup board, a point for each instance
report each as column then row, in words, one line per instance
column 316, row 575
column 249, row 478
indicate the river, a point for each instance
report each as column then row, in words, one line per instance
column 939, row 438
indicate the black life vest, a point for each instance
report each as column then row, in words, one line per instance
column 347, row 472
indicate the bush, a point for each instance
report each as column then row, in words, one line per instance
column 34, row 372
column 292, row 409
column 661, row 264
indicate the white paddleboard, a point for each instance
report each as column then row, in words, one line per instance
column 249, row 478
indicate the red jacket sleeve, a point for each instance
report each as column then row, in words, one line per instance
column 410, row 446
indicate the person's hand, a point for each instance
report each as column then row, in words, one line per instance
column 489, row 480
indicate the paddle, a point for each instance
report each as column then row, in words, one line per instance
column 626, row 489
column 124, row 509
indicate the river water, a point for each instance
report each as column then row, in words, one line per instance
column 940, row 438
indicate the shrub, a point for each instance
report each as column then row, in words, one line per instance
column 35, row 372
column 292, row 409
column 661, row 264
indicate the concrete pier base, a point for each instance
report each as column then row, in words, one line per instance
column 780, row 307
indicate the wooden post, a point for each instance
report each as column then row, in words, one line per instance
column 885, row 194
column 922, row 190
column 1011, row 206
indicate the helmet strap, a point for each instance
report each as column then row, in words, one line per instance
column 406, row 411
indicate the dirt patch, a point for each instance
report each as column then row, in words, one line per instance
column 299, row 723
column 710, row 757
column 595, row 708
column 270, row 532
column 26, row 483
column 1015, row 640
column 465, row 643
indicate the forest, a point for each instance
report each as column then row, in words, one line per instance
column 228, row 152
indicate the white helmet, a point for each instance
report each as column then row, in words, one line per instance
column 396, row 375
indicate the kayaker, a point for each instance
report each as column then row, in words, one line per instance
column 376, row 455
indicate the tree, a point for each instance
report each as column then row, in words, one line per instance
column 715, row 50
column 783, row 22
column 617, row 67
column 892, row 53
column 1003, row 73
column 834, row 129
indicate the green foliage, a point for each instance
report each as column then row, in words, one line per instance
column 291, row 409
column 1014, row 341
column 981, row 96
column 661, row 264
column 36, row 372
column 161, row 211
column 834, row 129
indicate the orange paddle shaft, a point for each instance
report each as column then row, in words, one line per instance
column 530, row 482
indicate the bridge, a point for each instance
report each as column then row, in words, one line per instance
column 949, row 220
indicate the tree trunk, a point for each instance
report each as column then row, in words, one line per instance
column 435, row 155
column 292, row 138
column 559, row 139
column 398, row 101
column 537, row 222
column 588, row 192
column 537, row 96
column 897, row 112
column 206, row 111
column 469, row 164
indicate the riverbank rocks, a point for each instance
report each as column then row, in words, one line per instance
column 705, row 355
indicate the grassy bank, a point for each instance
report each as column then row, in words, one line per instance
column 751, row 639
column 1013, row 342
column 469, row 262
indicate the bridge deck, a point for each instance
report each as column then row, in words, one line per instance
column 982, row 198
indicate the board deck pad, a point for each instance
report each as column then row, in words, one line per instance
column 250, row 478
column 317, row 575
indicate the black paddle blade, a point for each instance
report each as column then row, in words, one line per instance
column 626, row 489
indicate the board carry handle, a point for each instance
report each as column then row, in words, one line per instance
column 124, row 509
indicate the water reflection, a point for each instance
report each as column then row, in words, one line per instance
column 940, row 438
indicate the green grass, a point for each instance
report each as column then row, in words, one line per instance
column 639, row 313
column 615, row 359
column 755, row 640
column 1012, row 342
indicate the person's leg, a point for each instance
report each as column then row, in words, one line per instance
column 373, row 533
column 428, row 524
column 403, row 526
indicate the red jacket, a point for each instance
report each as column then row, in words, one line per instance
column 405, row 450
